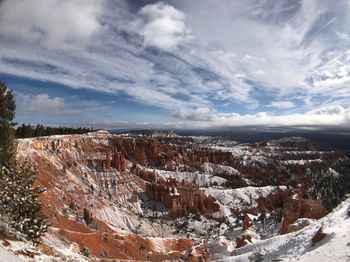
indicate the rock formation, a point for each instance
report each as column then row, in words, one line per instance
column 181, row 198
column 243, row 240
column 296, row 208
column 318, row 236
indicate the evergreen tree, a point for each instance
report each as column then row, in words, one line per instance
column 7, row 137
column 19, row 203
column 87, row 217
column 25, row 131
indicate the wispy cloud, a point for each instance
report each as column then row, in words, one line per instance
column 188, row 57
column 43, row 104
column 282, row 104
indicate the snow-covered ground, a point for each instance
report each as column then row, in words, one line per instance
column 129, row 222
column 7, row 256
column 297, row 246
column 201, row 179
column 242, row 197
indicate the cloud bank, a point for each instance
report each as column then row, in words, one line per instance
column 338, row 115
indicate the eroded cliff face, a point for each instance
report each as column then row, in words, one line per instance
column 181, row 198
column 91, row 172
column 157, row 200
column 295, row 208
column 152, row 153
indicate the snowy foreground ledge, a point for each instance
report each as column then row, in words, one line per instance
column 7, row 256
column 297, row 246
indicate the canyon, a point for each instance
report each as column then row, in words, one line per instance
column 167, row 197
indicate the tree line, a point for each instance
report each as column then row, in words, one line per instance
column 26, row 131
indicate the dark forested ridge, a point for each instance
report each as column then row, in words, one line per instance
column 26, row 131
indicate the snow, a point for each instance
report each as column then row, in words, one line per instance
column 7, row 256
column 99, row 132
column 242, row 197
column 219, row 169
column 334, row 173
column 158, row 244
column 238, row 150
column 62, row 248
column 220, row 245
column 22, row 247
column 301, row 162
column 297, row 246
column 201, row 179
column 128, row 221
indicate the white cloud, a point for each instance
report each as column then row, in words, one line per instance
column 33, row 104
column 161, row 25
column 155, row 97
column 282, row 104
column 333, row 78
column 199, row 114
column 328, row 116
column 30, row 104
column 342, row 36
column 335, row 110
column 56, row 23
column 288, row 39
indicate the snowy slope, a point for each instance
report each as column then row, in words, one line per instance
column 7, row 256
column 242, row 197
column 201, row 179
column 297, row 246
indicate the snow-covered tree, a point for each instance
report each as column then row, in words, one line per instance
column 19, row 204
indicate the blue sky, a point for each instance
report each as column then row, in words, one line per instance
column 183, row 63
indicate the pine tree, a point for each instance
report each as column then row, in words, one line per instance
column 7, row 136
column 19, row 203
column 87, row 217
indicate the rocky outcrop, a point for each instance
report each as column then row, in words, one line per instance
column 318, row 236
column 114, row 160
column 151, row 152
column 274, row 200
column 246, row 222
column 181, row 198
column 143, row 173
column 243, row 240
column 298, row 225
column 296, row 208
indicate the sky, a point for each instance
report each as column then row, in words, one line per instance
column 178, row 63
